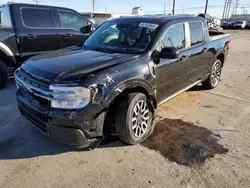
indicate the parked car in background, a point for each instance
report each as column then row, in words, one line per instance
column 239, row 24
column 117, row 78
column 227, row 24
column 27, row 30
column 248, row 24
column 224, row 25
column 230, row 25
column 212, row 23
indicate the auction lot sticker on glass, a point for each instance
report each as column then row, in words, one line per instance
column 148, row 25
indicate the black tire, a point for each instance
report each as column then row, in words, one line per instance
column 124, row 115
column 4, row 74
column 214, row 77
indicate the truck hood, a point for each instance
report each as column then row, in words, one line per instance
column 71, row 64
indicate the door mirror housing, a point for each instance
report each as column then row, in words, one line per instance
column 87, row 29
column 169, row 53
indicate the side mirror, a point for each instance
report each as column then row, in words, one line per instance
column 169, row 53
column 87, row 29
column 92, row 28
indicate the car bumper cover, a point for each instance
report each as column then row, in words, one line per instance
column 62, row 126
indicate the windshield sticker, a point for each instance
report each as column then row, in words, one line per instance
column 148, row 25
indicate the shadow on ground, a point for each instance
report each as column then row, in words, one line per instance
column 198, row 87
column 8, row 94
column 31, row 143
column 183, row 142
column 179, row 141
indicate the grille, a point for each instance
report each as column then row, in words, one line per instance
column 31, row 80
column 32, row 89
column 38, row 123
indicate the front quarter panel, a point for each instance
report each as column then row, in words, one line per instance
column 109, row 83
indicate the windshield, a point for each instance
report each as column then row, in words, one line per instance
column 114, row 37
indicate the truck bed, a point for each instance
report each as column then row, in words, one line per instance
column 215, row 35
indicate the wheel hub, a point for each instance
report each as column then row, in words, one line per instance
column 216, row 73
column 140, row 119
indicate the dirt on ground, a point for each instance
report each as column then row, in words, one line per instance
column 184, row 142
column 179, row 101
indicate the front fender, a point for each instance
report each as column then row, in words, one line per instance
column 108, row 83
column 128, row 85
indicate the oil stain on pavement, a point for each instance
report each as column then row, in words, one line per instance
column 183, row 142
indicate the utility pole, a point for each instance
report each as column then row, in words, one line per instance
column 173, row 12
column 36, row 1
column 244, row 10
column 93, row 1
column 206, row 6
column 229, row 9
column 182, row 10
column 224, row 11
column 233, row 11
column 237, row 3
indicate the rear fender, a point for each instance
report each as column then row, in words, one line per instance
column 221, row 56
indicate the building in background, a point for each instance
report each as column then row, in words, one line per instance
column 240, row 17
column 138, row 11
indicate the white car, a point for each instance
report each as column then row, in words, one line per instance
column 239, row 24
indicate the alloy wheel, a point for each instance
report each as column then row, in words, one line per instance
column 140, row 119
column 216, row 73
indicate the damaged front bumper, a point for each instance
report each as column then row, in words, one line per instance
column 79, row 128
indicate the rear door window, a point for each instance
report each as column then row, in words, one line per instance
column 196, row 33
column 5, row 19
column 37, row 18
column 71, row 20
column 174, row 37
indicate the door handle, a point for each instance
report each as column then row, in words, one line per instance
column 67, row 35
column 185, row 57
column 30, row 36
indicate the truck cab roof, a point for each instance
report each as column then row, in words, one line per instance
column 27, row 4
column 158, row 19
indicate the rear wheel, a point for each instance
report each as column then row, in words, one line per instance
column 4, row 74
column 134, row 119
column 214, row 77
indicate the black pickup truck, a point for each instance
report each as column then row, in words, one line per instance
column 117, row 78
column 27, row 30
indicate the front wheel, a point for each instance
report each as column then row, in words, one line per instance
column 134, row 119
column 214, row 77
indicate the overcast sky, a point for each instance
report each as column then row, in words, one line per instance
column 150, row 6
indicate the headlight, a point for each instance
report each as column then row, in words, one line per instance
column 69, row 97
